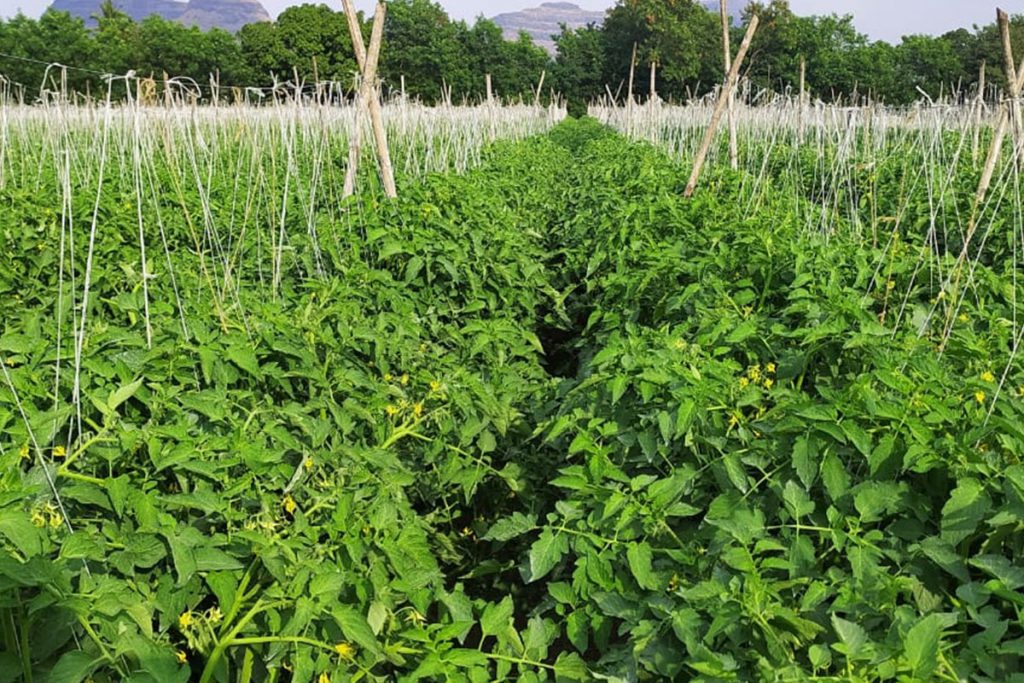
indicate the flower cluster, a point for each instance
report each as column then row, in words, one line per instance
column 758, row 376
column 47, row 515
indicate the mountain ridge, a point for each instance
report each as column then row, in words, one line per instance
column 546, row 20
column 230, row 15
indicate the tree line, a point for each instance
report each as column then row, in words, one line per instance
column 434, row 55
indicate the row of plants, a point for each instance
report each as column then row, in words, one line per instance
column 546, row 420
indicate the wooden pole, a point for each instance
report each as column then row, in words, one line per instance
column 490, row 91
column 1015, row 80
column 1011, row 76
column 716, row 116
column 654, row 82
column 979, row 109
column 727, row 59
column 632, row 73
column 540, row 88
column 803, row 97
column 1015, row 85
column 368, row 99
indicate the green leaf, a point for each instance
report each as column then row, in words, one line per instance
column 873, row 499
column 857, row 436
column 465, row 657
column 967, row 506
column 72, row 667
column 118, row 397
column 640, row 558
column 15, row 525
column 835, row 477
column 546, row 552
column 851, row 635
column 685, row 416
column 1009, row 573
column 618, row 386
column 496, row 617
column 244, row 357
column 356, row 628
column 805, row 460
column 511, row 527
column 796, row 499
column 570, row 667
column 921, row 645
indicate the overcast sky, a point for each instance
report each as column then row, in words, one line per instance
column 881, row 19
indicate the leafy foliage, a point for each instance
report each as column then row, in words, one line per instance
column 544, row 421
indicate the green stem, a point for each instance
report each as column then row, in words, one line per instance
column 218, row 652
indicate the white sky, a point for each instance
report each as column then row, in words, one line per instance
column 882, row 19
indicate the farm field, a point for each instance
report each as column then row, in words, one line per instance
column 540, row 418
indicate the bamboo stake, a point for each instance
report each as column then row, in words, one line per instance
column 727, row 59
column 803, row 97
column 1015, row 79
column 380, row 134
column 979, row 108
column 1011, row 76
column 368, row 99
column 632, row 73
column 540, row 88
column 720, row 105
column 1015, row 84
column 654, row 82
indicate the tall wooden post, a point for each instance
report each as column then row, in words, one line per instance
column 1015, row 80
column 716, row 116
column 632, row 73
column 727, row 59
column 368, row 99
column 979, row 109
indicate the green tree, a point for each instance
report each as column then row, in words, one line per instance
column 578, row 71
column 426, row 47
column 927, row 64
column 310, row 39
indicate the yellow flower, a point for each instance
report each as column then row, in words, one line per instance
column 733, row 421
column 59, row 452
column 417, row 409
column 744, row 382
column 679, row 344
column 391, row 411
column 988, row 377
column 415, row 617
column 324, row 678
column 768, row 383
column 213, row 615
column 308, row 464
column 55, row 520
column 754, row 373
column 770, row 368
column 890, row 285
column 345, row 651
column 404, row 379
column 387, row 377
column 38, row 518
column 181, row 657
column 964, row 318
column 186, row 620
column 24, row 452
column 289, row 504
column 435, row 386
column 979, row 396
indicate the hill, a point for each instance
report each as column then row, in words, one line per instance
column 230, row 15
